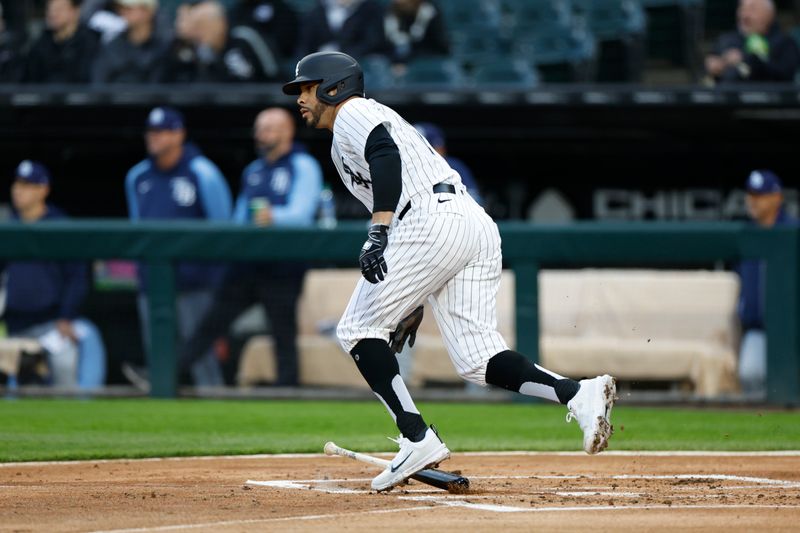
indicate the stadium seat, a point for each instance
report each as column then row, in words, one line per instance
column 619, row 27
column 433, row 72
column 505, row 73
column 611, row 19
column 302, row 6
column 675, row 33
column 795, row 33
column 461, row 14
column 720, row 16
column 559, row 54
column 535, row 13
column 377, row 72
column 470, row 48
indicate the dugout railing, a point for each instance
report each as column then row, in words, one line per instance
column 526, row 249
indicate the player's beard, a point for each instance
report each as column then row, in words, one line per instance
column 314, row 114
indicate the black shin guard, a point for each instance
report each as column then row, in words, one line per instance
column 378, row 365
column 511, row 370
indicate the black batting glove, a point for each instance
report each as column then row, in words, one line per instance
column 373, row 265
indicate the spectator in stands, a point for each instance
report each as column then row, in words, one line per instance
column 280, row 188
column 10, row 60
column 63, row 53
column 274, row 20
column 757, row 51
column 765, row 207
column 206, row 49
column 435, row 137
column 100, row 16
column 176, row 182
column 12, row 12
column 43, row 298
column 414, row 28
column 354, row 27
column 182, row 61
column 138, row 54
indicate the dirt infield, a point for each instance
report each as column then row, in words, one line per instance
column 620, row 492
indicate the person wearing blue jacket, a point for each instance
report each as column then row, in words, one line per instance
column 176, row 182
column 43, row 298
column 765, row 208
column 281, row 189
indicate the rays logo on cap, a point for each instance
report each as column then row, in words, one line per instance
column 297, row 70
column 756, row 180
column 157, row 116
column 25, row 168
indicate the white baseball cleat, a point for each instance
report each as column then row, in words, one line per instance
column 412, row 457
column 591, row 407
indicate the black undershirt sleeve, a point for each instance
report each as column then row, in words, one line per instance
column 383, row 158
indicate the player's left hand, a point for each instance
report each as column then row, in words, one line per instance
column 373, row 265
column 406, row 329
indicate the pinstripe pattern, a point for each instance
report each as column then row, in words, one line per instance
column 422, row 167
column 448, row 255
column 445, row 251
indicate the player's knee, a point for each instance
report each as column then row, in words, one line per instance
column 474, row 374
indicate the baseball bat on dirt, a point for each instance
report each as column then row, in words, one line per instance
column 437, row 478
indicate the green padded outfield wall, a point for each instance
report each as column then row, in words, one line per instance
column 526, row 249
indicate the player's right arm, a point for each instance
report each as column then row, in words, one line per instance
column 383, row 158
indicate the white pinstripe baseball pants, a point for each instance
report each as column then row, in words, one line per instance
column 446, row 251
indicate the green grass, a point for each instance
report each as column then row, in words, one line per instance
column 34, row 429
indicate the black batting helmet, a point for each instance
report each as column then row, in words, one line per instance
column 333, row 70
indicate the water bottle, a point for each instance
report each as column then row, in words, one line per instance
column 327, row 209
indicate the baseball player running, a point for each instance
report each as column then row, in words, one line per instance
column 429, row 241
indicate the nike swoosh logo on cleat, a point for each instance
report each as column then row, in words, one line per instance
column 394, row 468
column 443, row 201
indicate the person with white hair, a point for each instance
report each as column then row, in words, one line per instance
column 137, row 55
column 757, row 51
column 354, row 27
column 207, row 48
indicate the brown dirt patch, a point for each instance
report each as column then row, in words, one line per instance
column 532, row 492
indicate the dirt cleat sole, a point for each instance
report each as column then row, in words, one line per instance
column 591, row 407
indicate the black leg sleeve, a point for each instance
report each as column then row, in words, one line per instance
column 515, row 372
column 378, row 365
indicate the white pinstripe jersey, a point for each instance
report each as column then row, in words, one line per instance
column 422, row 167
column 445, row 251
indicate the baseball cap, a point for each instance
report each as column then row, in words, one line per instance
column 432, row 133
column 763, row 182
column 33, row 172
column 133, row 3
column 165, row 118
